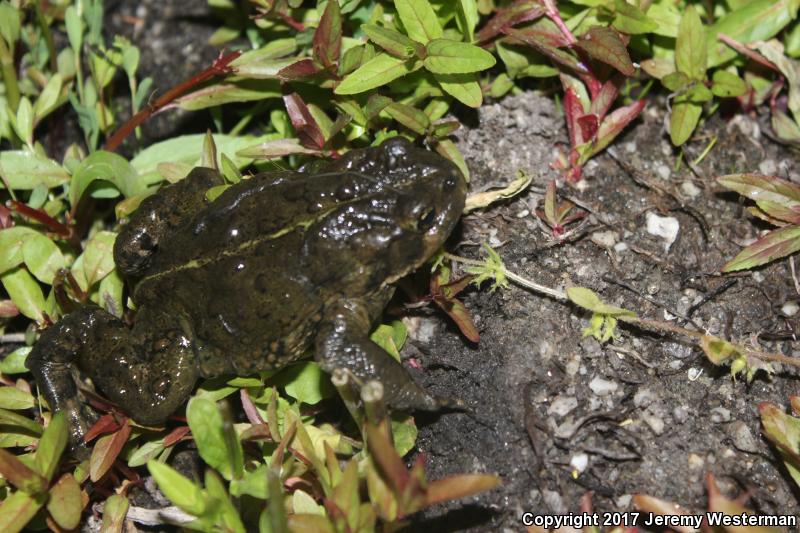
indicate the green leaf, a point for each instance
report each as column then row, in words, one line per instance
column 220, row 93
column 145, row 452
column 51, row 446
column 42, row 257
column 253, row 483
column 15, row 399
column 207, row 425
column 25, row 292
column 9, row 23
column 65, row 505
column 774, row 245
column 463, row 87
column 759, row 20
column 303, row 503
column 11, row 242
column 390, row 337
column 98, row 256
column 48, row 98
column 452, row 57
column 187, row 149
column 23, row 124
column 410, row 117
column 717, row 350
column 177, row 488
column 327, row 43
column 588, row 299
column 773, row 50
column 404, row 433
column 667, row 18
column 378, row 71
column 14, row 363
column 306, row 383
column 74, row 25
column 115, row 510
column 448, row 149
column 676, row 81
column 691, row 47
column 107, row 166
column 25, row 170
column 784, row 431
column 685, row 116
column 419, row 20
column 18, row 509
column 395, row 43
column 784, row 127
column 764, row 189
column 468, row 17
column 606, row 45
column 12, row 419
column 631, row 20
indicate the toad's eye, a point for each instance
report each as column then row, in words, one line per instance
column 426, row 219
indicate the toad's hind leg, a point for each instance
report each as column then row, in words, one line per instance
column 343, row 343
column 147, row 371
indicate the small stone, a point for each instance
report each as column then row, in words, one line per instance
column 680, row 414
column 573, row 365
column 605, row 239
column 579, row 462
column 623, row 501
column 620, row 247
column 743, row 438
column 643, row 397
column 562, row 405
column 630, row 147
column 664, row 227
column 720, row 415
column 695, row 461
column 790, row 308
column 693, row 373
column 656, row 423
column 603, row 387
column 690, row 189
column 663, row 171
column 768, row 167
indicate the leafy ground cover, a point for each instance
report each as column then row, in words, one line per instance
column 621, row 411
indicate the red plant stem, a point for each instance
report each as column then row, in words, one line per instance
column 752, row 54
column 289, row 21
column 218, row 68
column 552, row 13
column 41, row 217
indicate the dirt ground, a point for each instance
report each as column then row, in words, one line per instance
column 651, row 414
column 648, row 414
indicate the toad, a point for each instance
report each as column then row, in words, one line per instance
column 276, row 266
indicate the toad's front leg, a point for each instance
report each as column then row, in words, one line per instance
column 343, row 343
column 148, row 371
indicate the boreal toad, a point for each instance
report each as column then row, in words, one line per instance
column 276, row 266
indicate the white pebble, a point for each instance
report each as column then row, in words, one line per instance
column 768, row 167
column 690, row 189
column 605, row 239
column 663, row 171
column 562, row 405
column 579, row 462
column 602, row 387
column 790, row 308
column 664, row 227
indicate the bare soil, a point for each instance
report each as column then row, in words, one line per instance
column 650, row 412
